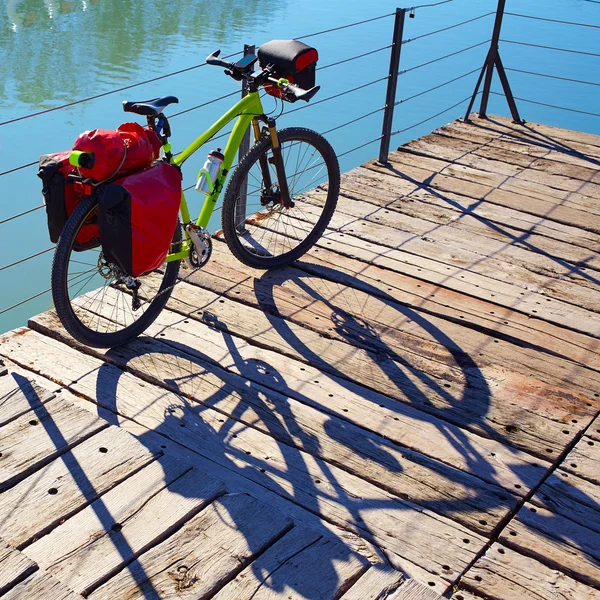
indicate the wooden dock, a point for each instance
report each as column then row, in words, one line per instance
column 409, row 412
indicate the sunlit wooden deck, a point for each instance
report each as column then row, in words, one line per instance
column 410, row 411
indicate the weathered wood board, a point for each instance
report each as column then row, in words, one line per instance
column 40, row 586
column 69, row 483
column 19, row 395
column 14, row 567
column 36, row 438
column 134, row 516
column 502, row 574
column 302, row 564
column 212, row 548
column 315, row 484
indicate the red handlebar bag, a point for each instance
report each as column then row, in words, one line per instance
column 137, row 216
column 128, row 149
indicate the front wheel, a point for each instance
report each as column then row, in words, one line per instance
column 259, row 230
column 96, row 303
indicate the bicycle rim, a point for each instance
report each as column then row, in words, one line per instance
column 98, row 305
column 266, row 232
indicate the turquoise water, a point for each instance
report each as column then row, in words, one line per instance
column 56, row 52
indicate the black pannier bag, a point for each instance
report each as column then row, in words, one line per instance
column 293, row 60
column 61, row 197
column 137, row 216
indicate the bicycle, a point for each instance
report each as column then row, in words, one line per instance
column 267, row 220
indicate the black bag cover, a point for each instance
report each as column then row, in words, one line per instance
column 53, row 190
column 61, row 198
column 292, row 59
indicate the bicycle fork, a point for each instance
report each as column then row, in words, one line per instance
column 277, row 161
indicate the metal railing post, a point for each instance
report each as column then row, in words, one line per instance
column 493, row 60
column 390, row 98
column 244, row 147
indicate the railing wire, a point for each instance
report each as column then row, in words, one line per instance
column 437, row 87
column 553, row 76
column 549, row 47
column 424, row 35
column 552, row 20
column 573, row 110
column 435, row 60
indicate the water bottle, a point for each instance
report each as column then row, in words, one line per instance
column 207, row 177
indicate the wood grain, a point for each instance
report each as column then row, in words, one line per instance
column 36, row 438
column 302, row 564
column 40, row 586
column 14, row 567
column 69, row 483
column 502, row 574
column 127, row 521
column 197, row 561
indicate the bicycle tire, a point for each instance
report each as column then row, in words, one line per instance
column 75, row 319
column 253, row 253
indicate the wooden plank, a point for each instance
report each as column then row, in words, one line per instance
column 397, row 526
column 69, row 483
column 507, row 157
column 594, row 429
column 578, row 196
column 302, row 564
column 448, row 304
column 378, row 583
column 549, row 152
column 502, row 574
column 478, row 281
column 403, row 196
column 364, row 320
column 580, row 212
column 14, row 567
column 544, row 132
column 413, row 590
column 402, row 472
column 401, row 424
column 573, row 292
column 36, row 438
column 572, row 497
column 39, row 586
column 584, row 460
column 130, row 519
column 465, row 153
column 19, row 395
column 518, row 419
column 532, row 252
column 197, row 561
column 555, row 541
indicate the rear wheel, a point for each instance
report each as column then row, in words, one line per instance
column 258, row 229
column 97, row 304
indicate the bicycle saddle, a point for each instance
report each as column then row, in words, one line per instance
column 150, row 108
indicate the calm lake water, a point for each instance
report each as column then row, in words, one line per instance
column 59, row 51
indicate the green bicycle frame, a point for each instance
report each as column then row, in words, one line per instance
column 245, row 110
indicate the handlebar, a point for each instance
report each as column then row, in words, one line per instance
column 243, row 70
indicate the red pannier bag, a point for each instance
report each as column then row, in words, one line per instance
column 137, row 216
column 292, row 60
column 128, row 149
column 61, row 196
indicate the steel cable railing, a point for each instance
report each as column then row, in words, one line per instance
column 437, row 87
column 440, row 58
column 550, row 47
column 424, row 35
column 553, row 76
column 573, row 110
column 511, row 14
